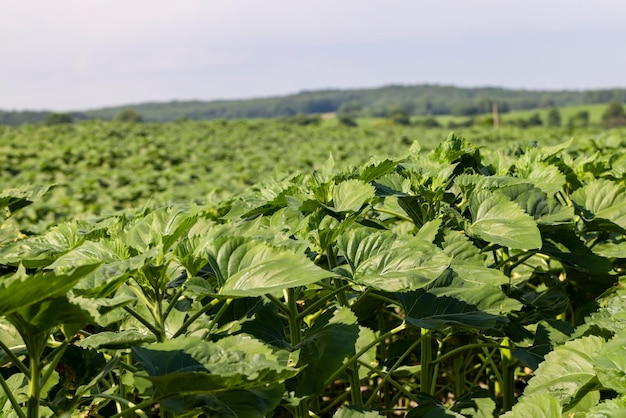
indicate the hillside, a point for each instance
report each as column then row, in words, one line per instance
column 415, row 100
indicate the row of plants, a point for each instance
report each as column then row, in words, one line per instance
column 444, row 283
column 100, row 168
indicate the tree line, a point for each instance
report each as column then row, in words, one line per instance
column 418, row 100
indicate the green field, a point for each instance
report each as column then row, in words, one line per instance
column 265, row 269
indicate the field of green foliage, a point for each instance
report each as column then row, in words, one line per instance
column 264, row 269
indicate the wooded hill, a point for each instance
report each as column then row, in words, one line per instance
column 424, row 99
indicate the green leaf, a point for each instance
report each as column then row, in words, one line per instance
column 392, row 264
column 42, row 250
column 351, row 195
column 163, row 226
column 324, row 348
column 539, row 405
column 41, row 317
column 254, row 269
column 116, row 340
column 375, row 170
column 610, row 363
column 498, row 220
column 566, row 246
column 429, row 407
column 567, row 372
column 190, row 365
column 611, row 408
column 22, row 290
column 602, row 202
column 351, row 411
column 18, row 198
column 457, row 304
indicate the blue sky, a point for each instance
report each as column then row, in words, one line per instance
column 81, row 54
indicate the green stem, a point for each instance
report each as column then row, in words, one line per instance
column 392, row 213
column 132, row 407
column 56, row 357
column 11, row 397
column 426, row 361
column 322, row 300
column 508, row 376
column 216, row 318
column 194, row 317
column 365, row 349
column 281, row 306
column 34, row 387
column 295, row 336
column 458, row 350
column 397, row 385
column 160, row 337
column 172, row 303
column 16, row 361
column 385, row 379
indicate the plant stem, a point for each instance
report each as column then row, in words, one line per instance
column 322, row 300
column 508, row 376
column 295, row 336
column 16, row 361
column 216, row 318
column 397, row 364
column 458, row 350
column 194, row 317
column 365, row 349
column 34, row 387
column 172, row 303
column 11, row 397
column 426, row 361
column 57, row 354
column 392, row 213
column 159, row 336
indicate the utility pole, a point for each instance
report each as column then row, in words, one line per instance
column 496, row 114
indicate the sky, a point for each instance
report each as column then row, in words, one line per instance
column 67, row 55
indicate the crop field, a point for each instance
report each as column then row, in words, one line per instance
column 265, row 269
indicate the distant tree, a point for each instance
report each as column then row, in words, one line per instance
column 347, row 113
column 579, row 120
column 346, row 120
column 428, row 122
column 399, row 116
column 128, row 115
column 554, row 117
column 303, row 120
column 58, row 118
column 534, row 120
column 614, row 115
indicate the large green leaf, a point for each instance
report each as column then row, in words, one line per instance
column 540, row 405
column 566, row 246
column 351, row 411
column 498, row 220
column 602, row 202
column 251, row 268
column 22, row 290
column 381, row 261
column 610, row 363
column 190, row 365
column 546, row 211
column 41, row 317
column 323, row 350
column 16, row 198
column 459, row 303
column 611, row 408
column 163, row 226
column 42, row 250
column 351, row 195
column 568, row 373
